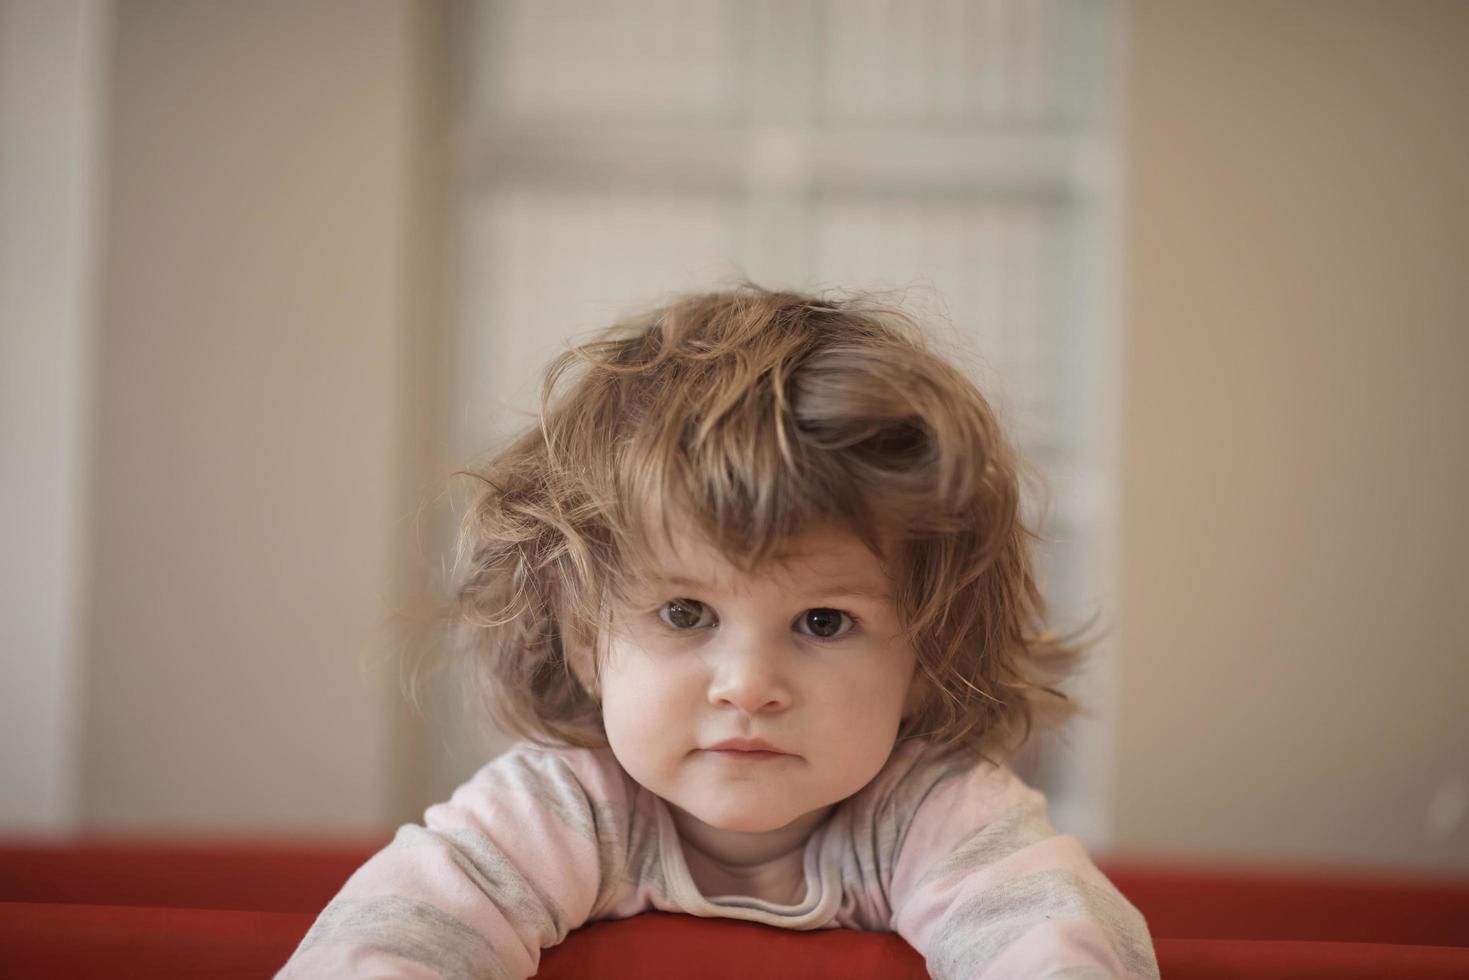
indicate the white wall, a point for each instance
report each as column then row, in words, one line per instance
column 260, row 399
column 1294, row 645
column 52, row 119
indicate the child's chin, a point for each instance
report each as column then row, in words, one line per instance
column 746, row 821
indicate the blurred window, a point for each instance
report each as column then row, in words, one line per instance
column 960, row 151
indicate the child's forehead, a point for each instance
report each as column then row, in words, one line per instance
column 827, row 557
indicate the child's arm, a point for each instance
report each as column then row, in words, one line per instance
column 985, row 887
column 516, row 859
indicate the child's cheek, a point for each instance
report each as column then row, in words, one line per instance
column 643, row 706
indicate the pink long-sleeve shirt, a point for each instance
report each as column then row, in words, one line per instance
column 957, row 857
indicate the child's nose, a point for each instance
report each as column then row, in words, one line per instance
column 751, row 679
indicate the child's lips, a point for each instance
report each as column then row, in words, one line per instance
column 747, row 755
column 747, row 750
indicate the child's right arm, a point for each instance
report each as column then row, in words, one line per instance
column 520, row 856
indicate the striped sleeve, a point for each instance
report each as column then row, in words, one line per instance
column 984, row 887
column 518, row 857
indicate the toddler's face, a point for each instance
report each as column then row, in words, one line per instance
column 804, row 655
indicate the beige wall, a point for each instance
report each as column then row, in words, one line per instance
column 262, row 396
column 1294, row 644
column 53, row 89
column 1293, row 655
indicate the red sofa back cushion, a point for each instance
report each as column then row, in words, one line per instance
column 72, row 942
column 1215, row 903
column 249, row 876
column 1197, row 903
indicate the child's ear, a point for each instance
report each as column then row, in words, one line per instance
column 578, row 650
column 918, row 689
column 581, row 658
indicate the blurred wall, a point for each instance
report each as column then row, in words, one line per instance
column 1295, row 653
column 53, row 95
column 262, row 399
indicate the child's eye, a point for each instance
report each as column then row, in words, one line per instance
column 825, row 624
column 686, row 614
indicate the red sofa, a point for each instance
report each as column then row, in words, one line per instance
column 135, row 909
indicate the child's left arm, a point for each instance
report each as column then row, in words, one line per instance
column 984, row 887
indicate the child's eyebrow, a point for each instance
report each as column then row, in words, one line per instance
column 832, row 588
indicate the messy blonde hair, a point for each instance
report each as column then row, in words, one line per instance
column 758, row 414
